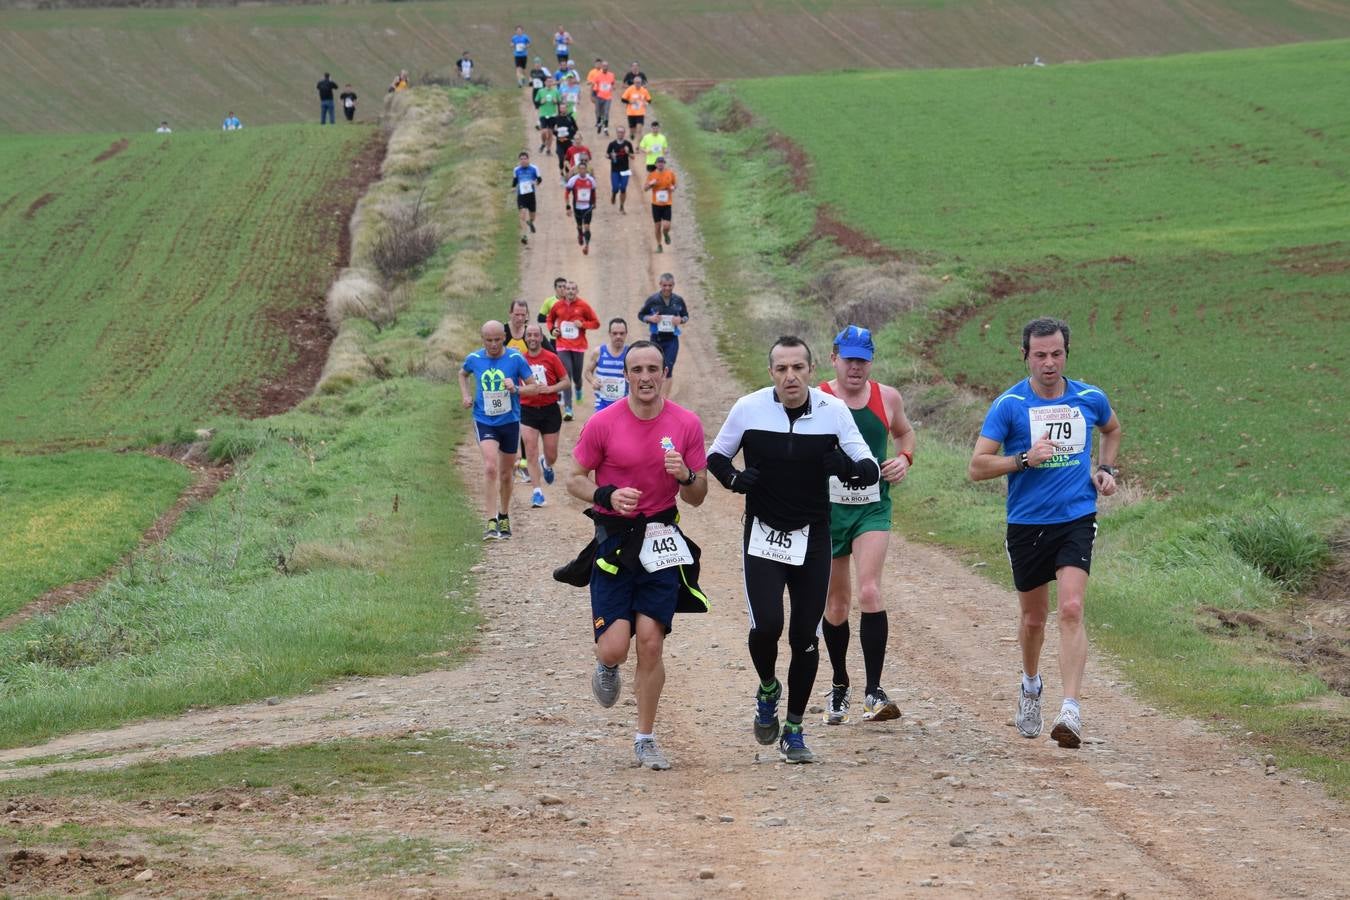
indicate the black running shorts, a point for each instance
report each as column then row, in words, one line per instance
column 543, row 419
column 1037, row 552
column 661, row 213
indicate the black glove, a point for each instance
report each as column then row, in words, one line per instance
column 837, row 463
column 742, row 482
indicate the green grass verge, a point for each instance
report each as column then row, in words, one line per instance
column 67, row 516
column 349, row 767
column 192, row 65
column 142, row 290
column 341, row 546
column 1161, row 332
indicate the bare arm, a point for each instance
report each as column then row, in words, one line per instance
column 1106, row 456
column 465, row 389
column 588, row 370
column 895, row 469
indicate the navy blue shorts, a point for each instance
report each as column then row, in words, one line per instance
column 670, row 348
column 624, row 595
column 507, row 435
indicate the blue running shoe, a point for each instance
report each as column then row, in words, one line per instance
column 792, row 746
column 766, row 713
column 548, row 470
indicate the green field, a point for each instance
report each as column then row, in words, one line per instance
column 190, row 65
column 1188, row 217
column 146, row 276
column 67, row 516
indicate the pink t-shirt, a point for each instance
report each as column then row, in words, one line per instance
column 626, row 451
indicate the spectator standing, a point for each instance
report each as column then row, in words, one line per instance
column 327, row 112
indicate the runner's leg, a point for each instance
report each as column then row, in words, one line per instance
column 1035, row 605
column 551, row 449
column 506, row 464
column 869, row 554
column 834, row 627
column 612, row 646
column 530, row 438
column 491, row 493
column 764, row 582
column 650, row 676
column 1072, row 637
column 807, row 586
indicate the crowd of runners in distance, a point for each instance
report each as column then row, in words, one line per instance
column 819, row 461
column 556, row 95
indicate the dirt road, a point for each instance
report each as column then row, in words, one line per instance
column 947, row 797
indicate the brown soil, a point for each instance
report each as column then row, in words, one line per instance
column 947, row 797
column 308, row 331
column 686, row 90
column 1317, row 259
column 115, row 148
column 38, row 204
column 206, row 481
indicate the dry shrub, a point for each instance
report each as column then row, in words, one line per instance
column 870, row 295
column 467, row 275
column 309, row 556
column 951, row 412
column 408, row 239
column 353, row 295
column 346, row 366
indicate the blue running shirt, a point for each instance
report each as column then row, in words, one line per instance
column 488, row 374
column 1061, row 488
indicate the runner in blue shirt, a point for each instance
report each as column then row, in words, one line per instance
column 665, row 312
column 520, row 53
column 491, row 381
column 525, row 180
column 1044, row 426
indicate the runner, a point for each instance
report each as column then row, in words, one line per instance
column 520, row 52
column 620, row 153
column 860, row 527
column 491, row 381
column 604, row 366
column 518, row 318
column 538, row 75
column 569, row 85
column 602, row 93
column 565, row 132
column 794, row 437
column 576, row 154
column 465, row 66
column 631, row 462
column 1045, row 424
column 661, row 182
column 581, row 188
column 562, row 44
column 525, row 180
column 664, row 312
column 547, row 99
column 539, row 413
column 559, row 290
column 637, row 97
column 633, row 74
column 568, row 321
column 654, row 145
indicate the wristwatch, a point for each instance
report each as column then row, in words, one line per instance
column 1023, row 463
column 693, row 476
column 1109, row 470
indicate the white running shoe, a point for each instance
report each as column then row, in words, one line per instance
column 605, row 684
column 877, row 707
column 1068, row 728
column 836, row 704
column 1029, row 721
column 649, row 756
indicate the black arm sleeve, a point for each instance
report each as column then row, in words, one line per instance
column 721, row 468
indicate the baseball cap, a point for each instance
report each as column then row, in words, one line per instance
column 854, row 343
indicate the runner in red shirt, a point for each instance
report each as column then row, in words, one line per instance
column 540, row 416
column 581, row 189
column 568, row 320
column 575, row 154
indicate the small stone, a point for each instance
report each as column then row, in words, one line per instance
column 489, row 787
column 706, row 874
column 775, row 822
column 360, row 695
column 1118, row 786
column 1270, row 759
column 700, row 817
column 145, row 875
column 1167, row 795
column 881, row 798
column 550, row 800
column 959, row 839
column 726, row 818
column 273, row 701
column 938, row 775
column 815, row 710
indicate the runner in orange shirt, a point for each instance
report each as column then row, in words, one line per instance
column 662, row 185
column 602, row 92
column 638, row 99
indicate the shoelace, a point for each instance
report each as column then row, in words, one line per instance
column 794, row 739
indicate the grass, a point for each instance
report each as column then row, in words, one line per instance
column 349, row 767
column 341, row 546
column 141, row 291
column 1220, row 345
column 191, row 65
column 69, row 515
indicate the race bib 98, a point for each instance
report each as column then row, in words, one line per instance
column 496, row 403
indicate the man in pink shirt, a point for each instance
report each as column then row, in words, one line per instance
column 634, row 457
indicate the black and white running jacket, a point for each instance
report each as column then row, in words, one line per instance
column 793, row 488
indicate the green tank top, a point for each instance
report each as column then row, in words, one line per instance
column 871, row 421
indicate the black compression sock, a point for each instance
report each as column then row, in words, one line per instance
column 872, row 633
column 836, row 641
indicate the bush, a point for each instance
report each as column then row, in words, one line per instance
column 1287, row 551
column 407, row 240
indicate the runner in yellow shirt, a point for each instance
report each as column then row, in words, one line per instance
column 654, row 145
